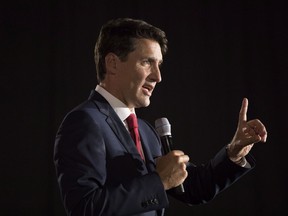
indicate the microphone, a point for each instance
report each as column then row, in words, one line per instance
column 163, row 129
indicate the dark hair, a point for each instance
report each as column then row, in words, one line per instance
column 118, row 36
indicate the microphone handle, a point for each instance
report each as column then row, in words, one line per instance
column 168, row 147
column 179, row 189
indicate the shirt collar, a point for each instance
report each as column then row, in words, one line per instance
column 119, row 107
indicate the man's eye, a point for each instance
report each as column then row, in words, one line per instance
column 147, row 62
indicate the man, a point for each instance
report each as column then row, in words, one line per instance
column 99, row 169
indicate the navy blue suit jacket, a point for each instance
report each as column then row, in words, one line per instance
column 100, row 171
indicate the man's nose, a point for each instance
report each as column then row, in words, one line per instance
column 156, row 74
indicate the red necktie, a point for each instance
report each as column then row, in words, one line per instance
column 133, row 128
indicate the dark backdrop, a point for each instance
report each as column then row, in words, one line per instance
column 219, row 52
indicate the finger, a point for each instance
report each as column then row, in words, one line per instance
column 243, row 111
column 262, row 134
column 254, row 139
column 184, row 159
column 177, row 152
column 259, row 128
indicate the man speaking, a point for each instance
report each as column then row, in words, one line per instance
column 108, row 162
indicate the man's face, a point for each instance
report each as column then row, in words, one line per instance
column 139, row 73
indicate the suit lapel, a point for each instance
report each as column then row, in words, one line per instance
column 114, row 122
column 149, row 145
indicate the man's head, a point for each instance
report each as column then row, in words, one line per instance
column 118, row 37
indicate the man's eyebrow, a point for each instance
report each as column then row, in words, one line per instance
column 155, row 60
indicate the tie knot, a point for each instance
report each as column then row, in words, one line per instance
column 132, row 121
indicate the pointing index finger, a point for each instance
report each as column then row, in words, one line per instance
column 243, row 111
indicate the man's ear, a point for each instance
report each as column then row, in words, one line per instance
column 111, row 63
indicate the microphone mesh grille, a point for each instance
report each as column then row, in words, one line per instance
column 163, row 127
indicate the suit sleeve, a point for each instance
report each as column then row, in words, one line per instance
column 80, row 159
column 205, row 181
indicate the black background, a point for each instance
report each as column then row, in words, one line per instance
column 219, row 52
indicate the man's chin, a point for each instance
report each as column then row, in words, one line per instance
column 145, row 103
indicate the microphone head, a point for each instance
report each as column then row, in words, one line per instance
column 163, row 127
